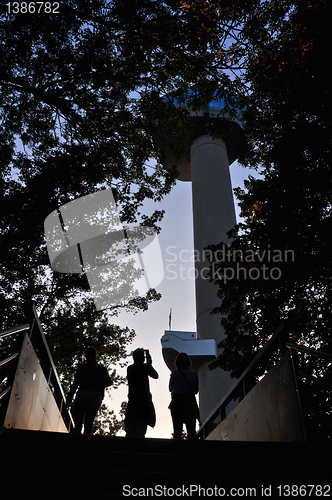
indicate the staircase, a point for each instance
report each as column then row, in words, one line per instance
column 48, row 464
column 60, row 465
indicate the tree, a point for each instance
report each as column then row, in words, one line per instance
column 109, row 424
column 277, row 265
column 83, row 91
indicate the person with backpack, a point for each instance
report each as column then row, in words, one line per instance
column 90, row 381
column 183, row 386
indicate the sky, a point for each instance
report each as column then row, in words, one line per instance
column 178, row 293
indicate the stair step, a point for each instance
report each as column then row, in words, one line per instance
column 78, row 466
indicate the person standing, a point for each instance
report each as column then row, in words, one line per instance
column 90, row 381
column 183, row 386
column 140, row 410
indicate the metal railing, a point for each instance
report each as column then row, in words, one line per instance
column 315, row 405
column 8, row 366
column 247, row 380
column 309, row 407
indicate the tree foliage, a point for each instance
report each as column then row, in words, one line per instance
column 82, row 93
column 106, row 422
column 286, row 210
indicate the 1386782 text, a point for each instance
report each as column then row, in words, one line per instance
column 33, row 7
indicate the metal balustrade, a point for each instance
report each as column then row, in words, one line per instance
column 315, row 405
column 274, row 349
column 31, row 355
column 246, row 381
column 8, row 364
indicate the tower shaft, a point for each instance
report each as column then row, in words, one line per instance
column 213, row 217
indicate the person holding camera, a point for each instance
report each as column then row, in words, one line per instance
column 140, row 410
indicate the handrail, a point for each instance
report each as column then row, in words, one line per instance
column 53, row 374
column 299, row 376
column 314, row 379
column 4, row 392
column 37, row 337
column 320, row 415
column 8, row 373
column 10, row 358
column 220, row 408
column 308, row 350
column 14, row 329
column 267, row 350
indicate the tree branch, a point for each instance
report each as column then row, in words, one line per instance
column 22, row 85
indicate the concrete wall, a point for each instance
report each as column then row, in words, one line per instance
column 269, row 412
column 31, row 404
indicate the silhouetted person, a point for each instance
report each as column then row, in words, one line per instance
column 140, row 410
column 90, row 379
column 183, row 386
